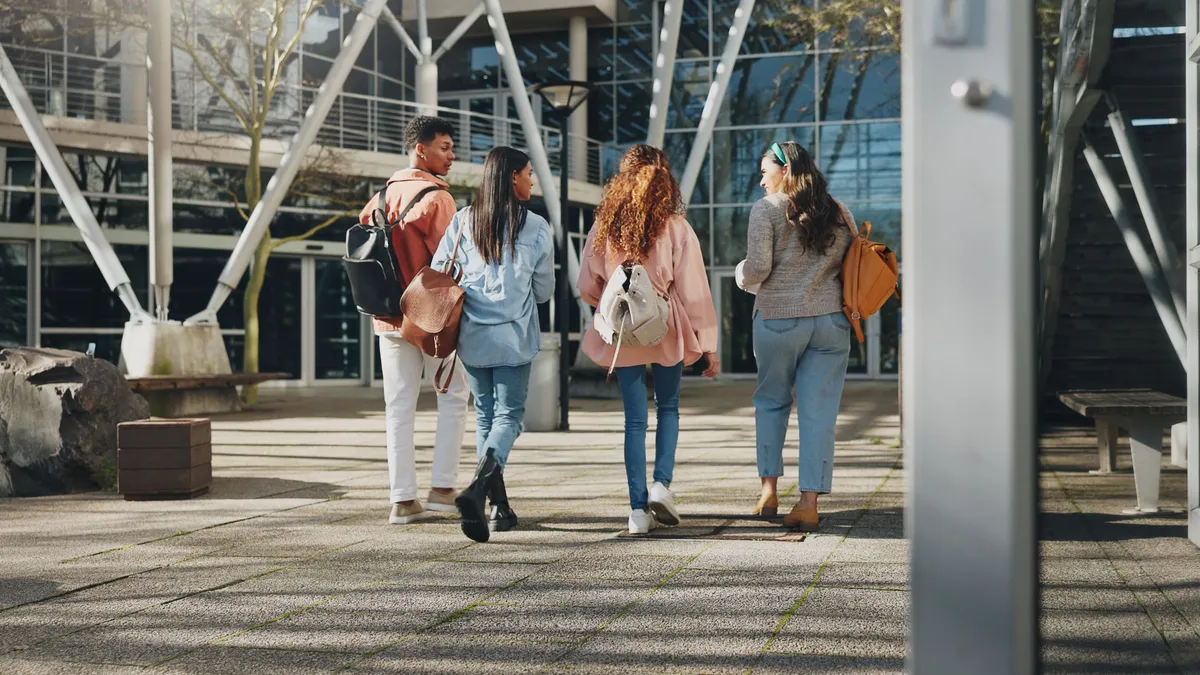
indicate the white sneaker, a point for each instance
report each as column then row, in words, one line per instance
column 662, row 503
column 641, row 522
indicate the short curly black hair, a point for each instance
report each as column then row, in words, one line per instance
column 425, row 128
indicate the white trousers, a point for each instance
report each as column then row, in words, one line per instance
column 402, row 365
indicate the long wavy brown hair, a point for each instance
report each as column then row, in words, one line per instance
column 810, row 209
column 637, row 203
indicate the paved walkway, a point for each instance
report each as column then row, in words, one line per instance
column 289, row 566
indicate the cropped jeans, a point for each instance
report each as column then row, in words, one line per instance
column 500, row 395
column 802, row 359
column 632, row 380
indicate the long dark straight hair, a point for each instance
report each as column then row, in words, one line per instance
column 811, row 209
column 497, row 216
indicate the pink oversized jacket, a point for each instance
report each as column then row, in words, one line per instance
column 676, row 268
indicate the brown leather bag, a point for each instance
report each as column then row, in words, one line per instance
column 432, row 307
column 869, row 277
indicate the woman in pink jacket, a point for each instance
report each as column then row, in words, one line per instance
column 640, row 220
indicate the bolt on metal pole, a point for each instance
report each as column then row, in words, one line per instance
column 69, row 192
column 716, row 96
column 260, row 219
column 563, row 293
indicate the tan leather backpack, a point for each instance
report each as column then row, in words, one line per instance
column 432, row 307
column 869, row 276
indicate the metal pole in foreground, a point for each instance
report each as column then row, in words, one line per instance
column 162, row 251
column 664, row 71
column 970, row 433
column 716, row 96
column 289, row 165
column 69, row 192
column 1192, row 152
column 562, row 293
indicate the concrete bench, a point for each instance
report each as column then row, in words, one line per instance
column 190, row 395
column 1144, row 413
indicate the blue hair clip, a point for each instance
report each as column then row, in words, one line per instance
column 779, row 153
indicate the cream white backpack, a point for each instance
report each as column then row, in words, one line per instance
column 631, row 311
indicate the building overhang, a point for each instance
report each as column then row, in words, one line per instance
column 521, row 15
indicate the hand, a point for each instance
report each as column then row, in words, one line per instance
column 714, row 365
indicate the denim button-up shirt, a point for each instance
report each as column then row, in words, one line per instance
column 499, row 320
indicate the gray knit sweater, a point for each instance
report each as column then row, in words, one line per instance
column 795, row 282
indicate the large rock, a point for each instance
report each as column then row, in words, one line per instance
column 59, row 412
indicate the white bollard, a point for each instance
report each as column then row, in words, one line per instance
column 541, row 407
column 1179, row 444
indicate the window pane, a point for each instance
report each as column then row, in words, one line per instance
column 860, row 85
column 737, row 338
column 279, row 318
column 542, row 56
column 635, row 51
column 633, row 111
column 775, row 26
column 14, row 295
column 738, row 154
column 688, row 93
column 777, row 89
column 693, row 30
column 471, row 64
column 338, row 325
column 18, row 166
column 600, row 112
column 105, row 173
column 207, row 220
column 678, row 147
column 110, row 212
column 729, row 234
column 601, row 65
column 862, row 161
column 701, row 221
column 322, row 32
column 885, row 221
column 889, row 337
column 196, row 273
column 74, row 293
column 294, row 224
column 17, row 207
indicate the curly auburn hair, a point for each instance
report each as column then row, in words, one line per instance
column 637, row 203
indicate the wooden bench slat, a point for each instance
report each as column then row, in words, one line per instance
column 191, row 382
column 1124, row 403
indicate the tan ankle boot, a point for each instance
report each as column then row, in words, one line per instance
column 802, row 518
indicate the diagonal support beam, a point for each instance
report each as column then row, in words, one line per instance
column 459, row 31
column 664, row 72
column 1156, row 283
column 533, row 137
column 398, row 28
column 1143, row 187
column 260, row 219
column 716, row 96
column 69, row 192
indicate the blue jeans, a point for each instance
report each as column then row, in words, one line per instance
column 807, row 356
column 499, row 407
column 632, row 381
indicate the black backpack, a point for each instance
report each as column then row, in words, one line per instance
column 370, row 259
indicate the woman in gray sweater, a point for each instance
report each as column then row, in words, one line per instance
column 798, row 237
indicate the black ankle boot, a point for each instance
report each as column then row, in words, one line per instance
column 503, row 518
column 471, row 501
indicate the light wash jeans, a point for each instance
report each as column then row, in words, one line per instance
column 500, row 395
column 402, row 365
column 807, row 356
column 632, row 381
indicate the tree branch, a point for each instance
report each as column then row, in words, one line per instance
column 301, row 237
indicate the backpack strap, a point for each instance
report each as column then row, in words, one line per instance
column 381, row 206
column 848, row 219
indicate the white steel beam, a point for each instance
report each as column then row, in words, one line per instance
column 459, row 31
column 289, row 165
column 969, row 433
column 1152, row 275
column 716, row 96
column 1192, row 323
column 160, row 163
column 1143, row 187
column 664, row 72
column 398, row 28
column 69, row 192
column 533, row 136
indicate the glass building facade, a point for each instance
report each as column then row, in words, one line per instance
column 842, row 101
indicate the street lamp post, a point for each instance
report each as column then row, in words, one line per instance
column 563, row 97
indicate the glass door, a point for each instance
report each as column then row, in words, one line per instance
column 337, row 326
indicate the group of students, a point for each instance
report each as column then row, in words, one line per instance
column 798, row 235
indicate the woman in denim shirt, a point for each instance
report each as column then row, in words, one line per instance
column 506, row 259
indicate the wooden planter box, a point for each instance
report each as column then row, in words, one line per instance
column 164, row 459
